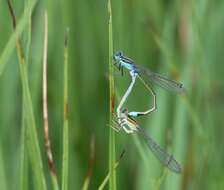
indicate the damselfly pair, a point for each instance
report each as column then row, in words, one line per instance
column 125, row 120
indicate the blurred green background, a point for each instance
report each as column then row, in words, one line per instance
column 181, row 39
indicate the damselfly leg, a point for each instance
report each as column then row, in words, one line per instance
column 117, row 122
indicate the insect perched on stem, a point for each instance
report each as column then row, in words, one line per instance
column 130, row 125
column 125, row 120
column 146, row 77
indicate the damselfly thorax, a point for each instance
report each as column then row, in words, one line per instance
column 127, row 123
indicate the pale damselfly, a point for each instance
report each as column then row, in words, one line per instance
column 131, row 126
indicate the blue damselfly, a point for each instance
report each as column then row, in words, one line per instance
column 146, row 76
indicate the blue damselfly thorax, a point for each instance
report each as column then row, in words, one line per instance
column 120, row 61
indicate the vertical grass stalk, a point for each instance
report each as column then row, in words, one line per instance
column 32, row 140
column 45, row 110
column 23, row 180
column 112, row 152
column 65, row 161
column 23, row 154
column 106, row 179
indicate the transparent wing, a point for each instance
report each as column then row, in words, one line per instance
column 159, row 80
column 166, row 159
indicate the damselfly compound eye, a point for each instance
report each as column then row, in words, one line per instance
column 119, row 54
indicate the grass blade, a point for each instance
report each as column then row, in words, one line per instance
column 65, row 161
column 45, row 109
column 32, row 140
column 103, row 184
column 23, row 154
column 112, row 183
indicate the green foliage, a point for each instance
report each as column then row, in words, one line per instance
column 182, row 40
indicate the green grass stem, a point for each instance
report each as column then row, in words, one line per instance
column 32, row 138
column 65, row 160
column 112, row 152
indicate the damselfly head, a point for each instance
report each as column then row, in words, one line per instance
column 117, row 56
column 124, row 110
column 117, row 61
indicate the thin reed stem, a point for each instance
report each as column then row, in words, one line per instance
column 45, row 109
column 112, row 151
